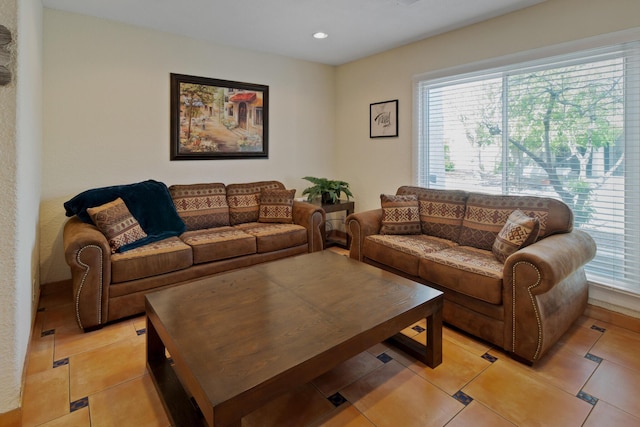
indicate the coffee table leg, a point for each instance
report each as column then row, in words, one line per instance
column 155, row 347
column 434, row 339
column 176, row 401
column 431, row 354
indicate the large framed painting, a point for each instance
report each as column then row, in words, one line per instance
column 218, row 119
column 383, row 119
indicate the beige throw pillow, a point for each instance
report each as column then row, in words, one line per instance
column 519, row 231
column 116, row 223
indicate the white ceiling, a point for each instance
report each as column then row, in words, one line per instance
column 356, row 28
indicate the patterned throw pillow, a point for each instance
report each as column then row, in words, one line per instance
column 519, row 231
column 201, row 205
column 276, row 206
column 116, row 223
column 400, row 214
column 244, row 200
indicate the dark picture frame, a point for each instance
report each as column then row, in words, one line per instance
column 218, row 119
column 383, row 119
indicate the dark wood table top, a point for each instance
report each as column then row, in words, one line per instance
column 239, row 336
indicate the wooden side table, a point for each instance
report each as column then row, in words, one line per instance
column 340, row 205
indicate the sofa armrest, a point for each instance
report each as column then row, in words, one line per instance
column 545, row 290
column 88, row 255
column 359, row 226
column 310, row 217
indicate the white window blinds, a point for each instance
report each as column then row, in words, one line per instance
column 566, row 127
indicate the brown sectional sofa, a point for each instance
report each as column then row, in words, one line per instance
column 225, row 234
column 524, row 304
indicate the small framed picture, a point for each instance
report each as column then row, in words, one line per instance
column 383, row 119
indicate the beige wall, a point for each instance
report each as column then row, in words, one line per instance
column 375, row 166
column 106, row 115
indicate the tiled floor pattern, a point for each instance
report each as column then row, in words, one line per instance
column 591, row 378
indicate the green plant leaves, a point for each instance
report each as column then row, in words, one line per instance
column 333, row 188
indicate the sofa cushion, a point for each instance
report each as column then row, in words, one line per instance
column 273, row 237
column 519, row 231
column 442, row 212
column 276, row 206
column 400, row 214
column 116, row 223
column 470, row 271
column 402, row 252
column 218, row 243
column 244, row 200
column 201, row 205
column 486, row 214
column 155, row 258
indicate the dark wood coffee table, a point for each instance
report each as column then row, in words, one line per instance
column 239, row 339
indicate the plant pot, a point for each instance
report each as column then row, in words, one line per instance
column 326, row 199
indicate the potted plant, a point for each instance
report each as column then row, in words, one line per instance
column 326, row 189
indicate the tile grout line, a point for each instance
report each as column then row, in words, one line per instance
column 582, row 395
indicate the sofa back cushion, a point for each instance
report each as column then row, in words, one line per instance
column 486, row 214
column 244, row 200
column 441, row 211
column 201, row 205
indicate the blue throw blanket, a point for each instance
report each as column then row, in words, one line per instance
column 148, row 201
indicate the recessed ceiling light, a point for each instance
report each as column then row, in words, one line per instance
column 320, row 35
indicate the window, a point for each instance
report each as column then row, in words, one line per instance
column 564, row 127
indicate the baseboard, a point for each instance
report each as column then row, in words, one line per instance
column 618, row 319
column 613, row 299
column 12, row 418
column 614, row 306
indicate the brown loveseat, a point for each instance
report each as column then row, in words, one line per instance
column 211, row 228
column 523, row 304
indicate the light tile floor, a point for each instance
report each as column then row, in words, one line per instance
column 591, row 378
